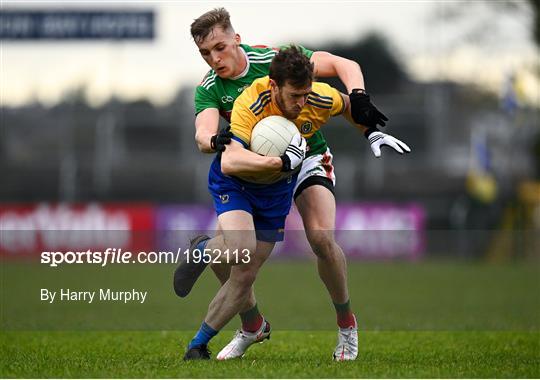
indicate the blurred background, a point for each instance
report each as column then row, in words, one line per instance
column 97, row 108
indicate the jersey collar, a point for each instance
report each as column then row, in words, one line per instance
column 246, row 70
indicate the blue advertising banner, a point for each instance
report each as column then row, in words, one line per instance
column 77, row 25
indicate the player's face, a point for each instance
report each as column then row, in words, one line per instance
column 221, row 51
column 291, row 100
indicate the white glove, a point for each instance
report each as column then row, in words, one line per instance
column 294, row 154
column 377, row 139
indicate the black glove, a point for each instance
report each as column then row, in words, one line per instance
column 222, row 138
column 363, row 111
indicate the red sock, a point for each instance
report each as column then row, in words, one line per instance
column 252, row 320
column 253, row 325
column 346, row 320
column 345, row 316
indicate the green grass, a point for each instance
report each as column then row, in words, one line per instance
column 289, row 354
column 386, row 296
column 426, row 319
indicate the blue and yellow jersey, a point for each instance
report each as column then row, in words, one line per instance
column 255, row 103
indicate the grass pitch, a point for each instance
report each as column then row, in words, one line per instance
column 288, row 354
column 428, row 319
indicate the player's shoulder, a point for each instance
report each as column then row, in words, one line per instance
column 256, row 96
column 322, row 88
column 322, row 95
column 304, row 50
column 258, row 87
column 209, row 80
column 260, row 53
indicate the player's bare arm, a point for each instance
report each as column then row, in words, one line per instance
column 206, row 126
column 363, row 111
column 236, row 160
column 328, row 65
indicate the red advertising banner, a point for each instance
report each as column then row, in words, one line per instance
column 28, row 229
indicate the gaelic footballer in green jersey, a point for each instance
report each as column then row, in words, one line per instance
column 215, row 92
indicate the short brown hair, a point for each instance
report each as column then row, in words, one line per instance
column 203, row 25
column 293, row 66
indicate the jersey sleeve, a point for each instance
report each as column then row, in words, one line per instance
column 242, row 121
column 338, row 105
column 204, row 99
column 308, row 53
column 326, row 97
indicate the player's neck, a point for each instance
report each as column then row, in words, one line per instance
column 243, row 67
column 276, row 103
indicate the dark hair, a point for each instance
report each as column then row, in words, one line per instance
column 203, row 25
column 293, row 66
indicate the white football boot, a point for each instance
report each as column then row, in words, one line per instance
column 347, row 346
column 241, row 342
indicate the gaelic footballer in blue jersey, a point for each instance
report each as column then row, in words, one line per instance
column 233, row 65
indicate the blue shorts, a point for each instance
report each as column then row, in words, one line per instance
column 268, row 208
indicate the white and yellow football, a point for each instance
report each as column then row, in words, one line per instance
column 272, row 135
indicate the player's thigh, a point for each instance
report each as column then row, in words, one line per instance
column 238, row 230
column 269, row 216
column 317, row 206
column 235, row 220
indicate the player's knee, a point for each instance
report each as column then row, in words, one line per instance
column 322, row 242
column 244, row 279
column 241, row 243
column 222, row 272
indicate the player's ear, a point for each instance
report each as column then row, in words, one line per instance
column 237, row 39
column 273, row 85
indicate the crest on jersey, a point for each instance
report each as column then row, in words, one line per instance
column 306, row 127
column 240, row 89
column 224, row 198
